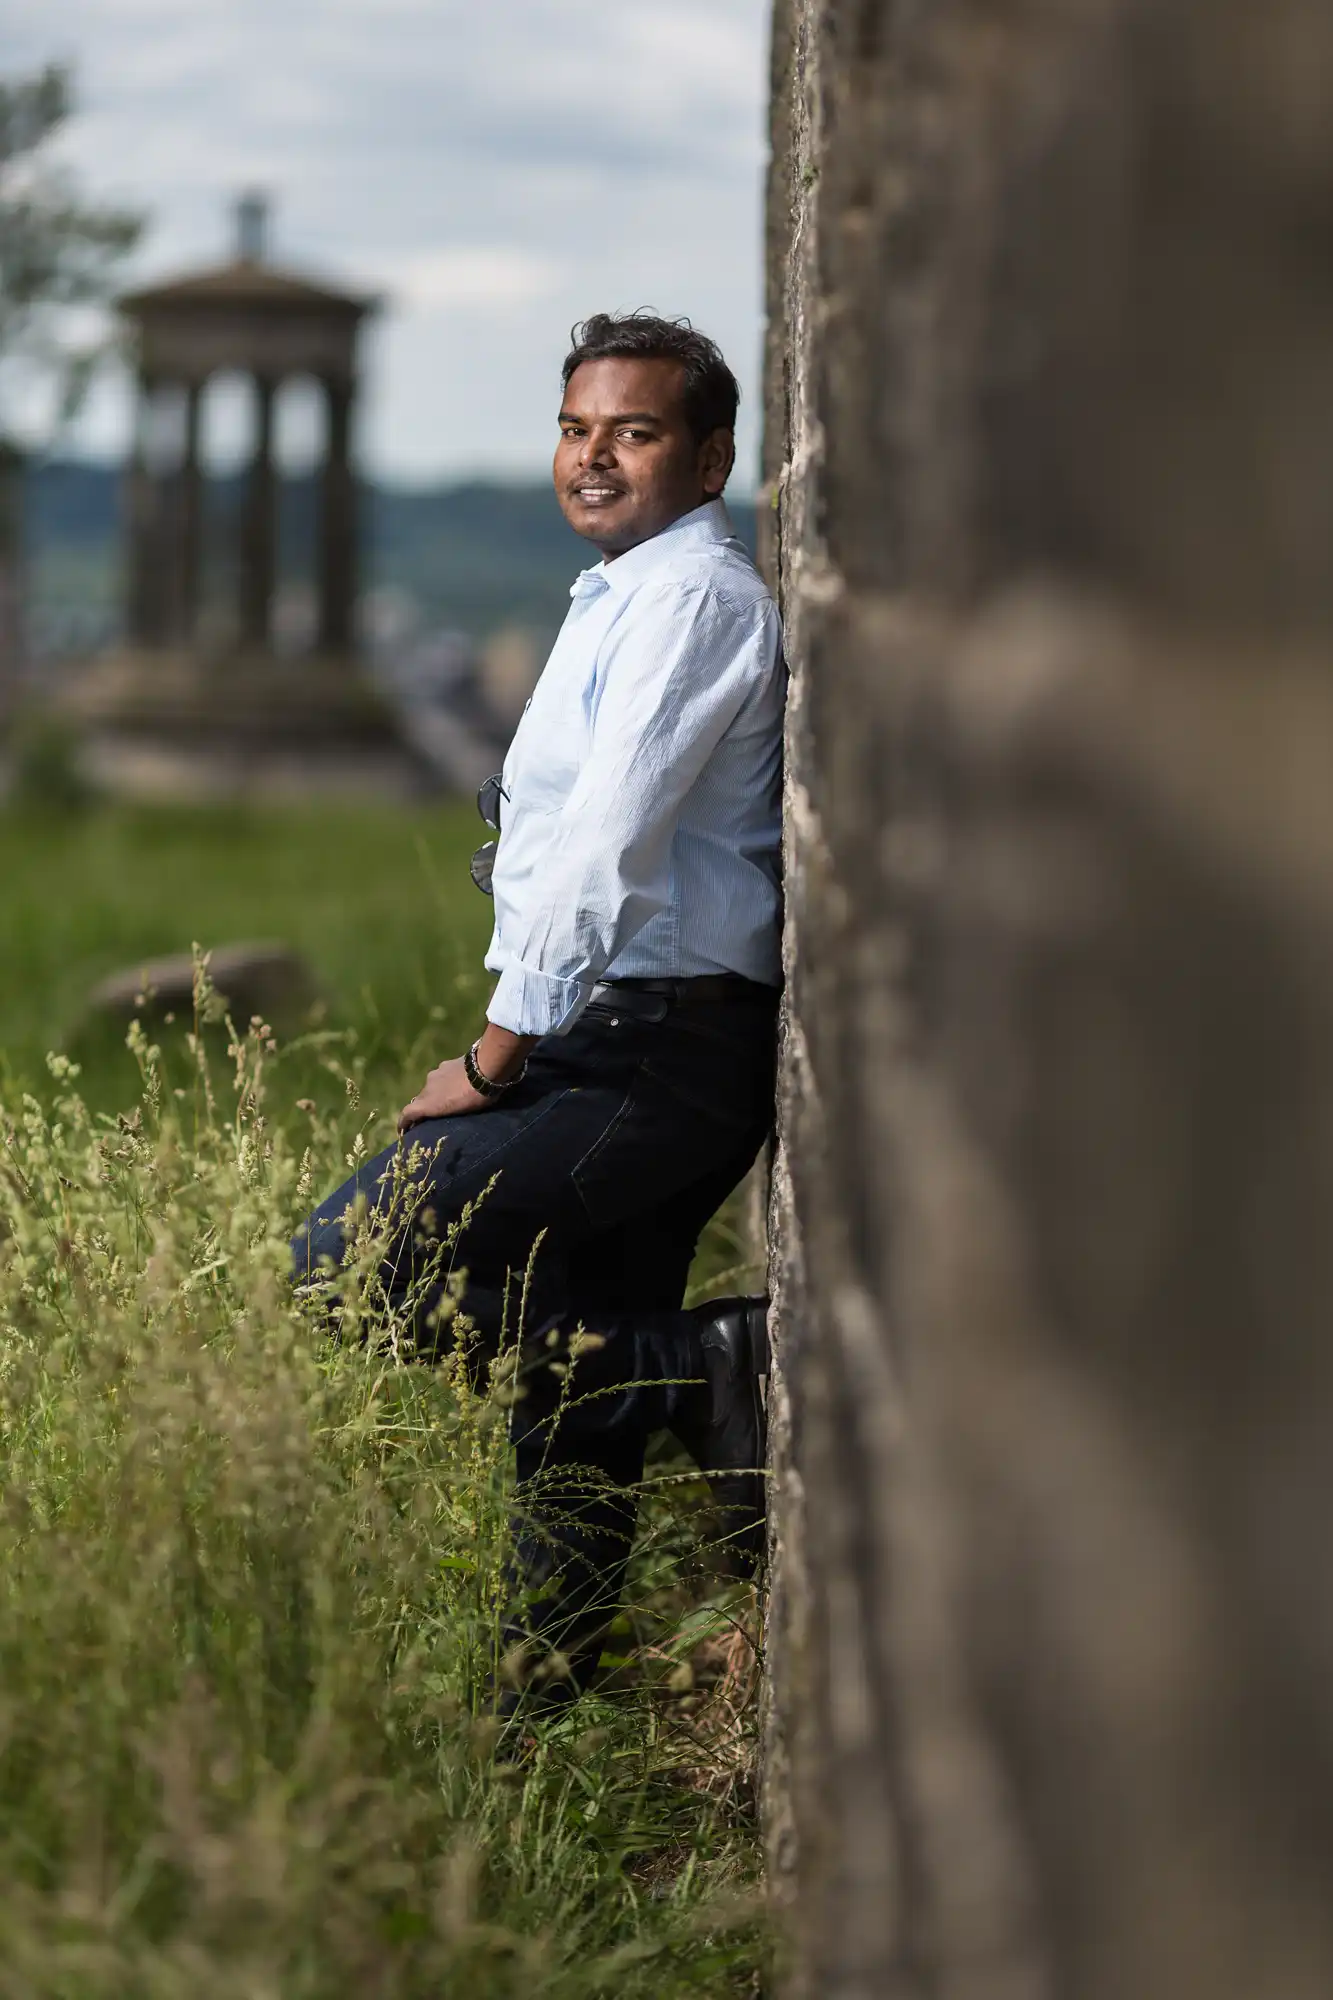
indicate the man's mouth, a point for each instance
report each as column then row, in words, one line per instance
column 595, row 493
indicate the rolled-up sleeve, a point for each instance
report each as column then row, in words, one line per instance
column 671, row 681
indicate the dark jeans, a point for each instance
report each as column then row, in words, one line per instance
column 621, row 1141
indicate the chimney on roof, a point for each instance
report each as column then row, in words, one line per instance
column 251, row 227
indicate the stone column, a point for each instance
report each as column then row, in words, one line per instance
column 337, row 554
column 147, row 585
column 189, row 522
column 259, row 527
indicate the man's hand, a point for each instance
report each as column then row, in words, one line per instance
column 445, row 1093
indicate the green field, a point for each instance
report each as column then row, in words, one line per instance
column 249, row 1575
column 378, row 900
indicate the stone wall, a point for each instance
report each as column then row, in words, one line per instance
column 1050, row 420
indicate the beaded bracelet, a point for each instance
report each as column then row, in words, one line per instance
column 484, row 1085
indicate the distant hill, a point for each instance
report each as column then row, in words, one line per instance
column 71, row 504
column 473, row 557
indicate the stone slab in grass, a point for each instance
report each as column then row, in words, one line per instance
column 263, row 978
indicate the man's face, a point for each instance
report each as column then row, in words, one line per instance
column 628, row 464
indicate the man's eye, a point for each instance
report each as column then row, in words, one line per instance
column 637, row 437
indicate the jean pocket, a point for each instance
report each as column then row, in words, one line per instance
column 605, row 1179
column 720, row 1082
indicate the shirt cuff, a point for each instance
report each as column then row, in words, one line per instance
column 536, row 1003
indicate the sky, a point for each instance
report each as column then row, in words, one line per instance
column 495, row 168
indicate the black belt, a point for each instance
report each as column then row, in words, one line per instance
column 710, row 988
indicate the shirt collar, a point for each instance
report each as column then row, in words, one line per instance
column 702, row 527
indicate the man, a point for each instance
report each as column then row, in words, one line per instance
column 622, row 1084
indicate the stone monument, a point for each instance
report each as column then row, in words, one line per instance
column 184, row 708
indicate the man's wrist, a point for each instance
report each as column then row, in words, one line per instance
column 486, row 1087
column 501, row 1055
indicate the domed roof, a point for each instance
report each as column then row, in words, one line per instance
column 248, row 280
column 245, row 282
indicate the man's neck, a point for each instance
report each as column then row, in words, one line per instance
column 609, row 555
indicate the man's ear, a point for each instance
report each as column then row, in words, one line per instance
column 717, row 455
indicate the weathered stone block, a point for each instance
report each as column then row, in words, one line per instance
column 1050, row 415
column 267, row 979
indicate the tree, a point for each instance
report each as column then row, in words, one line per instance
column 58, row 252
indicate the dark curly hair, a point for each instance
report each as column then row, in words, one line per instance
column 710, row 392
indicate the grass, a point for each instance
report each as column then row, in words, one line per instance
column 378, row 900
column 250, row 1576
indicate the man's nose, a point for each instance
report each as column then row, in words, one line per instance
column 599, row 449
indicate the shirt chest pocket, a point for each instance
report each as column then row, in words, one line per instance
column 547, row 754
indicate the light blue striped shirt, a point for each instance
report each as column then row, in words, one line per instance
column 642, row 821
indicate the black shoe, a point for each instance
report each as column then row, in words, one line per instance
column 725, row 1426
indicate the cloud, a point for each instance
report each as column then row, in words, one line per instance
column 468, row 275
column 497, row 171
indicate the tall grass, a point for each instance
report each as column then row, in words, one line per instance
column 376, row 898
column 250, row 1581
